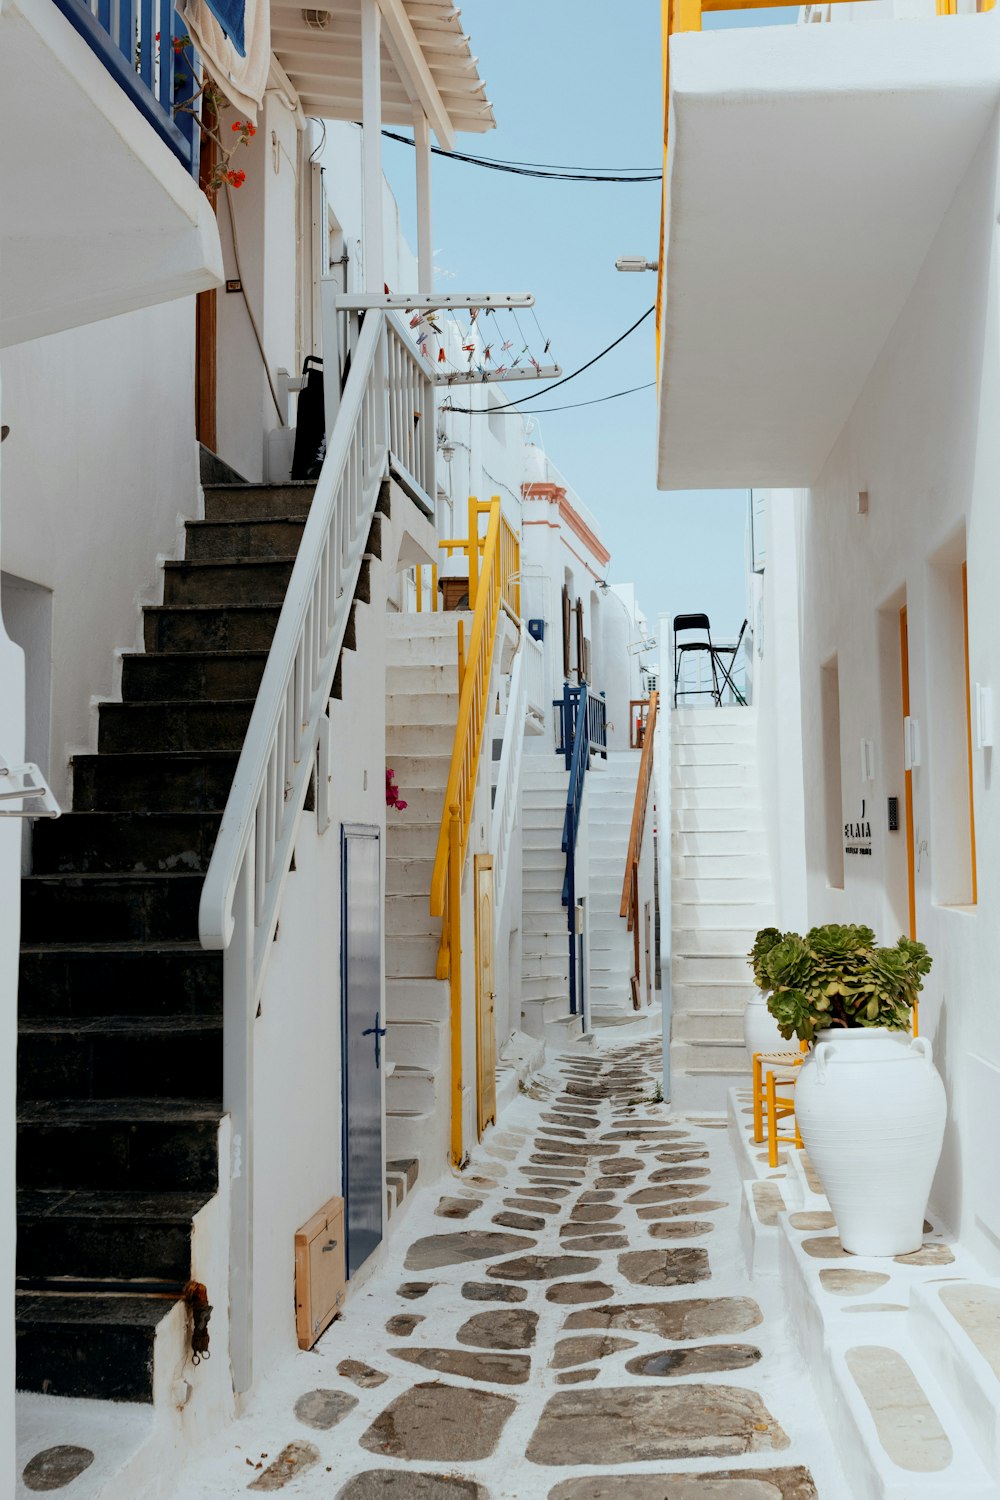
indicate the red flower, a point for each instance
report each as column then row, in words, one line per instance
column 236, row 125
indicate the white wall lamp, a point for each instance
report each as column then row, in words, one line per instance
column 636, row 263
column 911, row 743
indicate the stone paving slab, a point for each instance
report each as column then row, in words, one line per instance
column 599, row 1353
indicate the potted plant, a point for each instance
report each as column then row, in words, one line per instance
column 869, row 1103
column 760, row 1029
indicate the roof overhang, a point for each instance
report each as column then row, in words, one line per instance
column 809, row 170
column 427, row 63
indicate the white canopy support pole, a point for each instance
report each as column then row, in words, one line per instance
column 371, row 120
column 425, row 248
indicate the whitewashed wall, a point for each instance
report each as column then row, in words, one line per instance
column 12, row 748
column 924, row 442
column 100, row 470
column 779, row 720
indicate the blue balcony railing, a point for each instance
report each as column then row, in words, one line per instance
column 134, row 40
column 565, row 722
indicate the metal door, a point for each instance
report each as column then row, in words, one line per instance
column 361, row 1032
column 486, row 1028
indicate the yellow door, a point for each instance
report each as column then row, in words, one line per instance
column 486, row 1031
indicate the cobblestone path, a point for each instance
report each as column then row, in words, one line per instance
column 571, row 1320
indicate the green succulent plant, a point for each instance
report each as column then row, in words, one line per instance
column 837, row 976
column 765, row 940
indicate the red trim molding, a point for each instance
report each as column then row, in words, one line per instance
column 556, row 495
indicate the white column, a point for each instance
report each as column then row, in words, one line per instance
column 12, row 747
column 371, row 120
column 425, row 248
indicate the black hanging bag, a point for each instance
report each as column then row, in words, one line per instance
column 310, row 423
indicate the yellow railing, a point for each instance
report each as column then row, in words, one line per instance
column 509, row 561
column 494, row 583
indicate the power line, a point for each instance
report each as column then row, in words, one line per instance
column 537, row 169
column 538, row 411
column 567, row 378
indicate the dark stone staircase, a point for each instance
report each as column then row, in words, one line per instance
column 120, row 1009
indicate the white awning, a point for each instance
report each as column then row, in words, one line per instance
column 427, row 63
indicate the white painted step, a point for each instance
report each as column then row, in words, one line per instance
column 410, row 1089
column 713, row 939
column 709, row 914
column 722, row 866
column 411, row 837
column 402, row 625
column 414, row 705
column 426, row 650
column 713, row 754
column 419, row 771
column 407, row 916
column 737, row 802
column 543, row 989
column 410, row 955
column 723, row 995
column 710, row 1054
column 416, row 1044
column 707, row 1025
column 721, row 889
column 956, row 1326
column 718, row 843
column 408, row 876
column 715, row 734
column 897, row 1436
column 421, row 677
column 699, row 777
column 421, row 739
column 712, row 968
column 417, row 999
column 688, row 819
column 423, row 804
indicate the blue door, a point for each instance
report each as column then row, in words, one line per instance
column 362, row 1032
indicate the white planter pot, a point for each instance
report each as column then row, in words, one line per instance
column 871, row 1110
column 760, row 1029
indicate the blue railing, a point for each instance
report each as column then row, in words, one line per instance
column 565, row 722
column 585, row 715
column 158, row 80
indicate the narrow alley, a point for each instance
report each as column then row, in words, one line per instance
column 573, row 1320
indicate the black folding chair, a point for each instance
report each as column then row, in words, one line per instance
column 681, row 649
column 720, row 653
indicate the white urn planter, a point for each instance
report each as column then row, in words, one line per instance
column 871, row 1110
column 760, row 1029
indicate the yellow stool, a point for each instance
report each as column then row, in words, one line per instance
column 779, row 1108
column 767, row 1066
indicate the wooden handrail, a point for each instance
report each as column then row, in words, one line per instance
column 630, row 885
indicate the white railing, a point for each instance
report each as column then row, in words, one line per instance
column 412, row 429
column 534, row 678
column 289, row 729
column 509, row 770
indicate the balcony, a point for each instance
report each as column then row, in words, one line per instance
column 101, row 214
column 808, row 170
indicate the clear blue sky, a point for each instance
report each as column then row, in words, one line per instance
column 577, row 83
